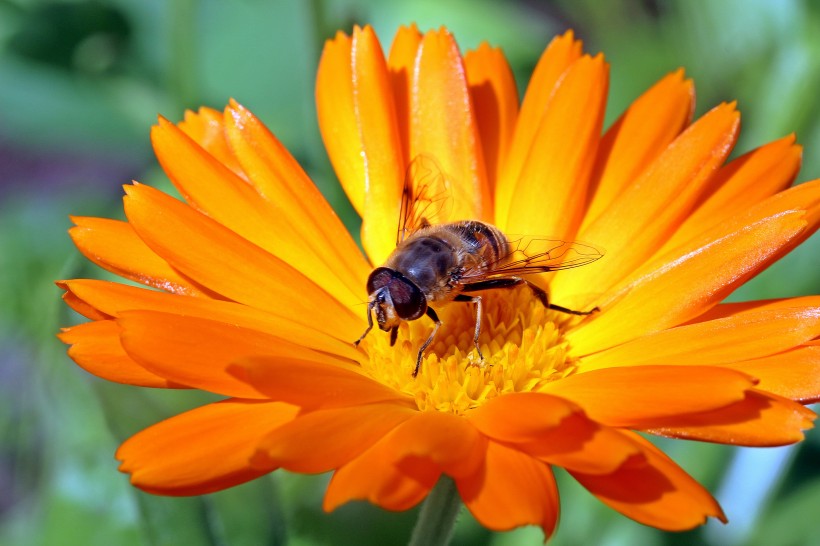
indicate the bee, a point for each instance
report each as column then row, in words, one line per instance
column 436, row 264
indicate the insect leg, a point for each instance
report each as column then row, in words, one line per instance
column 432, row 314
column 393, row 333
column 537, row 292
column 477, row 301
column 369, row 323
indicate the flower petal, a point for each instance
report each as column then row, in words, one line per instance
column 644, row 214
column 96, row 348
column 312, row 385
column 443, row 124
column 559, row 55
column 359, row 110
column 400, row 62
column 654, row 491
column 196, row 351
column 676, row 289
column 202, row 450
column 302, row 216
column 270, row 223
column 625, row 397
column 115, row 246
column 230, row 265
column 511, row 489
column 746, row 335
column 327, row 439
column 761, row 419
column 741, row 184
column 792, row 374
column 110, row 299
column 206, row 127
column 495, row 99
column 373, row 477
column 641, row 134
column 554, row 431
column 556, row 171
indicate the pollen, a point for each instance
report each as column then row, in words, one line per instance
column 521, row 340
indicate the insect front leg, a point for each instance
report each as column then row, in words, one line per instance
column 432, row 314
column 369, row 323
column 478, row 314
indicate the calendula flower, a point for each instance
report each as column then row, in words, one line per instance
column 258, row 292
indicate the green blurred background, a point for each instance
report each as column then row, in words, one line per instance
column 82, row 81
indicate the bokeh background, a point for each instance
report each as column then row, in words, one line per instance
column 82, row 81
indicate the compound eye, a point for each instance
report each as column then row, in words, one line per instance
column 408, row 301
column 379, row 278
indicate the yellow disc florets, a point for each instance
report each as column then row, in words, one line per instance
column 522, row 342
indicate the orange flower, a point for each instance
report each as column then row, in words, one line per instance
column 260, row 292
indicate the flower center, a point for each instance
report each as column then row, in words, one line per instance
column 521, row 340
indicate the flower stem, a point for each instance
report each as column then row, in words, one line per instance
column 437, row 517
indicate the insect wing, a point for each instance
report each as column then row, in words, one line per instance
column 531, row 255
column 426, row 199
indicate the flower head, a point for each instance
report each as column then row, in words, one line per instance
column 259, row 292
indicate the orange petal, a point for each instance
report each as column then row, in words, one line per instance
column 303, row 225
column 196, row 352
column 203, row 450
column 443, row 124
column 230, row 265
column 645, row 213
column 355, row 106
column 623, row 397
column 654, row 491
column 311, row 385
column 374, row 477
column 550, row 194
column 96, row 348
column 400, row 63
column 207, row 128
column 674, row 290
column 761, row 419
column 741, row 184
column 747, row 335
column 110, row 299
column 500, row 418
column 115, row 246
column 228, row 199
column 325, row 440
column 793, row 374
column 555, row 431
column 640, row 135
column 511, row 489
column 79, row 305
column 447, row 440
column 561, row 53
column 495, row 99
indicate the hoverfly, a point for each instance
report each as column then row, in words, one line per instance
column 435, row 264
